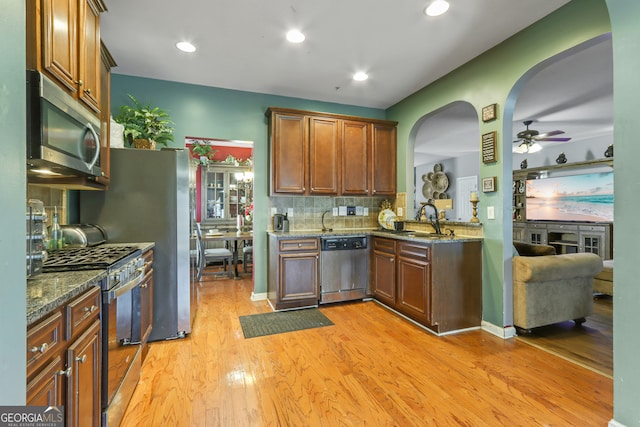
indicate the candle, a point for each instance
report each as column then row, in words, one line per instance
column 474, row 196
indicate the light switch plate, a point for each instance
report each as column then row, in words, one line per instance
column 400, row 212
column 290, row 212
column 274, row 211
column 359, row 211
column 491, row 213
column 335, row 212
column 342, row 211
column 365, row 211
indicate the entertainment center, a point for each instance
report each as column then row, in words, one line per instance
column 567, row 206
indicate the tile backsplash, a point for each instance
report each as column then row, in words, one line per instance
column 52, row 198
column 307, row 211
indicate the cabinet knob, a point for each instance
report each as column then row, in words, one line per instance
column 87, row 91
column 66, row 372
column 81, row 359
column 44, row 347
column 391, row 260
column 90, row 309
column 79, row 82
column 144, row 285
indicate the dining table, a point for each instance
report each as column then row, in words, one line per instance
column 232, row 238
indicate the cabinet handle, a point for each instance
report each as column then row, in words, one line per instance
column 44, row 347
column 81, row 359
column 66, row 372
column 90, row 309
column 79, row 82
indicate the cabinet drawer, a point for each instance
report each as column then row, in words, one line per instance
column 43, row 339
column 289, row 245
column 82, row 311
column 414, row 251
column 563, row 227
column 594, row 228
column 538, row 226
column 384, row 245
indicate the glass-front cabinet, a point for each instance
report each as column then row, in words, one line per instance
column 225, row 193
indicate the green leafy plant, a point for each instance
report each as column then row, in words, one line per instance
column 144, row 122
column 202, row 150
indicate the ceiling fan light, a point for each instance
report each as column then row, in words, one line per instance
column 535, row 147
column 437, row 8
column 186, row 47
column 521, row 149
column 295, row 36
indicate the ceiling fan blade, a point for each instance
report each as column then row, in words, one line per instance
column 546, row 134
column 553, row 139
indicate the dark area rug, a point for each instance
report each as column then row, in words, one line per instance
column 258, row 325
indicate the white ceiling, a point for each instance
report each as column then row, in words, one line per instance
column 241, row 43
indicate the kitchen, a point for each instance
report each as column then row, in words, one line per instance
column 245, row 129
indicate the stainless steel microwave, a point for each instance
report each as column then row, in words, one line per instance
column 63, row 137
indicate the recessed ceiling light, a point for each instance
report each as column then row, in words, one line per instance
column 295, row 36
column 360, row 76
column 437, row 8
column 186, row 47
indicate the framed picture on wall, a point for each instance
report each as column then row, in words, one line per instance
column 489, row 184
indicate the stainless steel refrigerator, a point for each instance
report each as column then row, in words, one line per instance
column 148, row 201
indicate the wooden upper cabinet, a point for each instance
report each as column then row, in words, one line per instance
column 355, row 157
column 383, row 160
column 290, row 154
column 63, row 41
column 324, row 156
column 106, row 64
column 331, row 154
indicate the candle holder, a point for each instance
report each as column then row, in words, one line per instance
column 475, row 211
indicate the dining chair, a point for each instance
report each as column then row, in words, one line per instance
column 214, row 255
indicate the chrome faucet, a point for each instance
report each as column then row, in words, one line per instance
column 434, row 223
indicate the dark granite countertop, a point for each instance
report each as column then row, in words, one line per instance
column 415, row 236
column 48, row 291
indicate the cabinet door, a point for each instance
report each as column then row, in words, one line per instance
column 298, row 276
column 83, row 392
column 105, row 113
column 383, row 171
column 384, row 277
column 413, row 288
column 60, row 41
column 592, row 242
column 537, row 236
column 324, row 155
column 290, row 153
column 46, row 389
column 355, row 157
column 89, row 89
column 146, row 305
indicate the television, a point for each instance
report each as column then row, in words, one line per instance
column 585, row 198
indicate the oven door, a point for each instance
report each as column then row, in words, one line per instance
column 121, row 361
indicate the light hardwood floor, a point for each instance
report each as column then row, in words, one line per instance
column 372, row 368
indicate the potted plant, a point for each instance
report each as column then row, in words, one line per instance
column 202, row 152
column 144, row 126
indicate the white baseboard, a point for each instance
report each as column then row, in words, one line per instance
column 502, row 332
column 258, row 297
column 614, row 423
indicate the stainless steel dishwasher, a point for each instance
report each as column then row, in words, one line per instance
column 344, row 268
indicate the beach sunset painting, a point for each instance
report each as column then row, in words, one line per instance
column 587, row 197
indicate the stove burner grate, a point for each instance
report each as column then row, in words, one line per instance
column 93, row 258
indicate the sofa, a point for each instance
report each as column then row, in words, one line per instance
column 551, row 288
column 603, row 282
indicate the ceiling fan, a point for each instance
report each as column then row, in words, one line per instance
column 529, row 138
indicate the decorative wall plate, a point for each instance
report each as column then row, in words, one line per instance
column 440, row 182
column 387, row 219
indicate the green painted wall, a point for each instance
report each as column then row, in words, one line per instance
column 13, row 193
column 625, row 15
column 488, row 79
column 228, row 114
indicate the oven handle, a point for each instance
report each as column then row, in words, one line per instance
column 122, row 289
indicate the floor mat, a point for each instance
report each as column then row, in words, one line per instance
column 258, row 325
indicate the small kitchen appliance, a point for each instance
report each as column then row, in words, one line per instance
column 278, row 222
column 36, row 237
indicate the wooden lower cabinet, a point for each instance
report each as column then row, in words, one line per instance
column 293, row 278
column 83, row 390
column 64, row 360
column 439, row 285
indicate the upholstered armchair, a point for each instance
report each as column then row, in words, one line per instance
column 554, row 288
